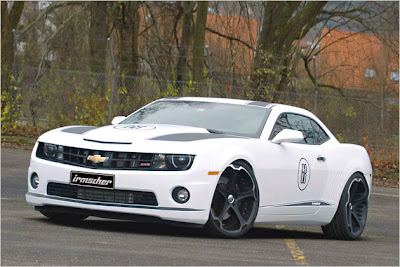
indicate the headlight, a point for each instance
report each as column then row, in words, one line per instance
column 180, row 162
column 172, row 162
column 50, row 150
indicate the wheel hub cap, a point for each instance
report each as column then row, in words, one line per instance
column 231, row 199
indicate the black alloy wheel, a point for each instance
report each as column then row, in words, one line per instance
column 351, row 215
column 235, row 203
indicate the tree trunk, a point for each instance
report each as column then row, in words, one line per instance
column 98, row 36
column 9, row 98
column 283, row 23
column 198, row 46
column 182, row 69
column 135, row 20
column 9, row 21
column 122, row 26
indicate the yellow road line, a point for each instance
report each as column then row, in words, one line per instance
column 296, row 252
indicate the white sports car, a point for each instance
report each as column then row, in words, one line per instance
column 224, row 164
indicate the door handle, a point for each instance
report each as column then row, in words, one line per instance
column 321, row 158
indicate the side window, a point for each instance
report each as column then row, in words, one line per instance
column 302, row 124
column 280, row 124
column 313, row 133
column 320, row 135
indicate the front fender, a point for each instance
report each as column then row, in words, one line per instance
column 220, row 155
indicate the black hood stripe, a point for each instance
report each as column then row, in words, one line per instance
column 79, row 129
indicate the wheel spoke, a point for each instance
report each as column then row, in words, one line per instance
column 223, row 212
column 349, row 221
column 353, row 191
column 358, row 220
column 222, row 192
column 241, row 196
column 359, row 186
column 358, row 201
column 232, row 184
column 242, row 221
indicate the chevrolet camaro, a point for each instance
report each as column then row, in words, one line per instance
column 222, row 164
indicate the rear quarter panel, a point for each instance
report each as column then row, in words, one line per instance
column 343, row 161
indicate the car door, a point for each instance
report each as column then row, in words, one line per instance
column 297, row 172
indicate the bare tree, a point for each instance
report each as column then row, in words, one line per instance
column 9, row 21
column 198, row 44
column 186, row 38
column 98, row 35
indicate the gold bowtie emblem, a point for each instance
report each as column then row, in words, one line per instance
column 97, row 158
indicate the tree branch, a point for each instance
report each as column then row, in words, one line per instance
column 49, row 9
column 314, row 81
column 230, row 38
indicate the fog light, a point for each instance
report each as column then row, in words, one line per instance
column 180, row 195
column 34, row 180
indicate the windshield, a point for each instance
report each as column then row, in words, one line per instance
column 215, row 117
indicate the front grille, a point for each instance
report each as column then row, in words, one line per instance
column 102, row 195
column 116, row 160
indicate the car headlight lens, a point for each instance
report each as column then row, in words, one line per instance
column 181, row 162
column 50, row 150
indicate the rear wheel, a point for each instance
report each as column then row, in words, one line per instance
column 351, row 215
column 64, row 218
column 235, row 203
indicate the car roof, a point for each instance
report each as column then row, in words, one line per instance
column 222, row 100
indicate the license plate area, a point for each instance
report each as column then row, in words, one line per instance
column 103, row 181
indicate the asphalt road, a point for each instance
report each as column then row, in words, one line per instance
column 28, row 238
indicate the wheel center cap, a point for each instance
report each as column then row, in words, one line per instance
column 231, row 199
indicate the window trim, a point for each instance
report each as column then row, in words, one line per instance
column 294, row 113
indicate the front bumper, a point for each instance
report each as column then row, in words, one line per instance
column 196, row 211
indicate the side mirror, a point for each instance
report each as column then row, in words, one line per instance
column 117, row 120
column 288, row 136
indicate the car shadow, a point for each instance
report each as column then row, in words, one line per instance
column 161, row 229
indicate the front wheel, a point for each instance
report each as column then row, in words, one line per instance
column 351, row 215
column 235, row 202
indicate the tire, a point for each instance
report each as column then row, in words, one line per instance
column 235, row 202
column 351, row 215
column 64, row 218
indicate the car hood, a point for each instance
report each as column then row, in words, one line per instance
column 131, row 133
column 150, row 138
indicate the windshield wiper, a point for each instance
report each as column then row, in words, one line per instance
column 215, row 131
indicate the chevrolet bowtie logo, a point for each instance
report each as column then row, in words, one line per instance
column 97, row 158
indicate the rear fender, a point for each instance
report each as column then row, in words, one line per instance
column 349, row 160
